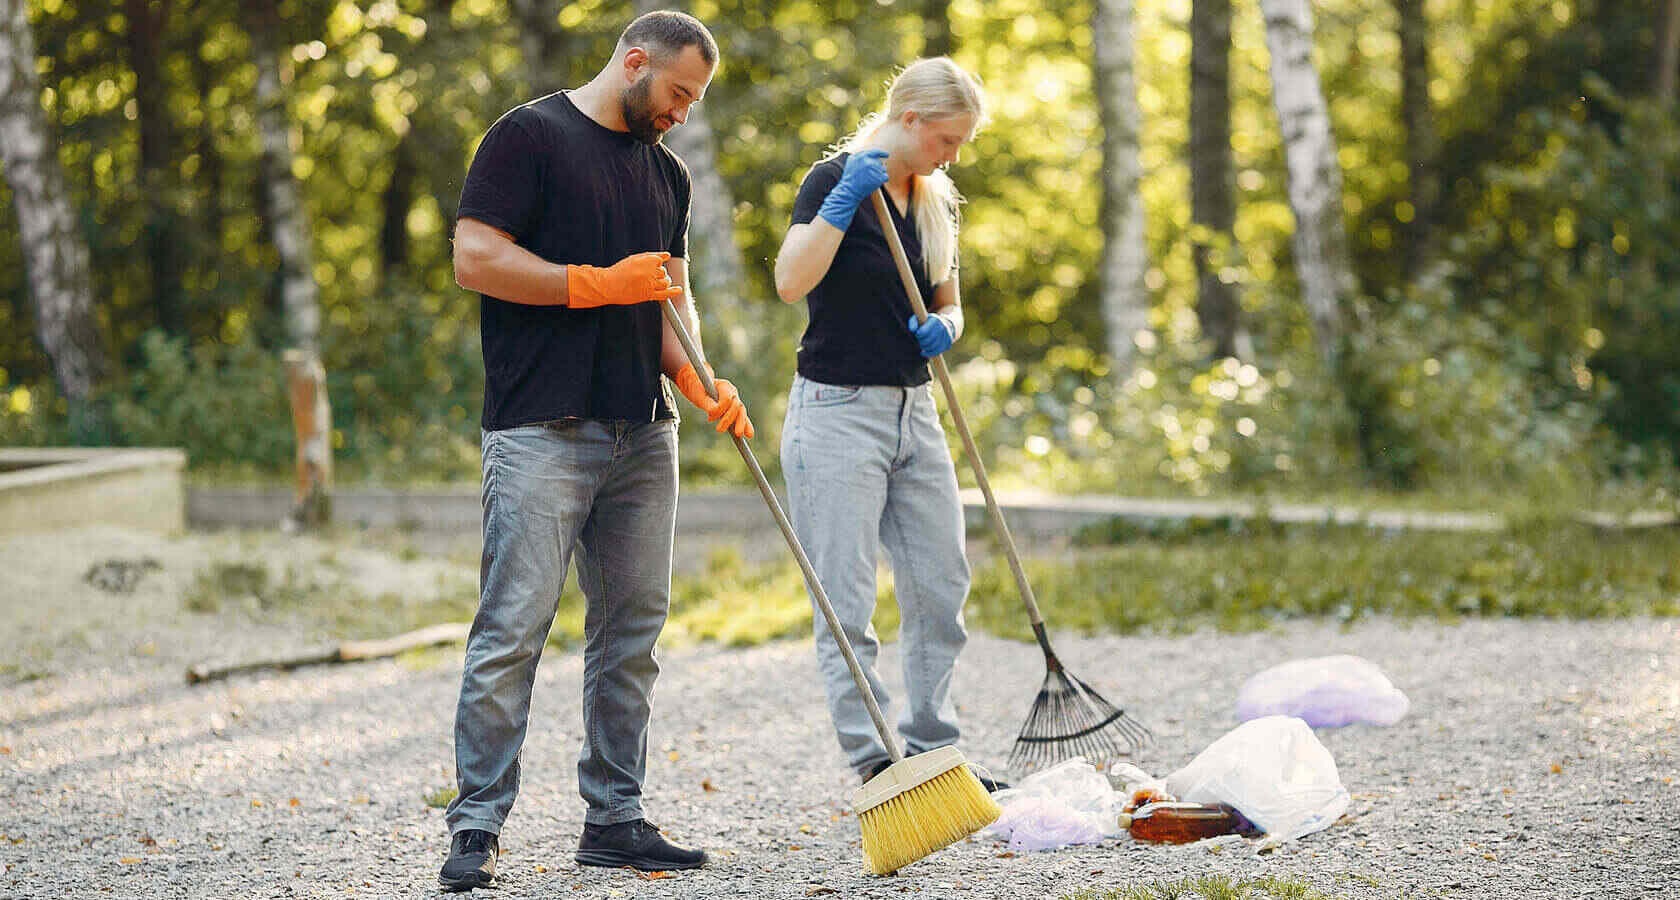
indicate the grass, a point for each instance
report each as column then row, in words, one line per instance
column 441, row 797
column 1209, row 887
column 1123, row 576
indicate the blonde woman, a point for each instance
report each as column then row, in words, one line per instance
column 863, row 453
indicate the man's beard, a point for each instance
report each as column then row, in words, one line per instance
column 637, row 105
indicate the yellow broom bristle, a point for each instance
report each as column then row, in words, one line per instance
column 931, row 815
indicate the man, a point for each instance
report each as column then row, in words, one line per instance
column 574, row 227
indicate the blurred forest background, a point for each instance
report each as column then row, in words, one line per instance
column 1466, row 285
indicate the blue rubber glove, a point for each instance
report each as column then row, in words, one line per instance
column 864, row 173
column 934, row 336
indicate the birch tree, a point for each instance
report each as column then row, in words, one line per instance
column 306, row 381
column 146, row 26
column 1213, row 208
column 1315, row 179
column 1668, row 55
column 1124, row 298
column 54, row 253
column 716, row 271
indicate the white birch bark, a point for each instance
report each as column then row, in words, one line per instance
column 301, row 306
column 54, row 254
column 1315, row 177
column 1124, row 298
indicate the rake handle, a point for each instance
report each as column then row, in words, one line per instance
column 782, row 522
column 999, row 526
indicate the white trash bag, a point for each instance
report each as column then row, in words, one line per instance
column 1328, row 692
column 1274, row 771
column 1068, row 803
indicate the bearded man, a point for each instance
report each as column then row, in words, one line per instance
column 573, row 229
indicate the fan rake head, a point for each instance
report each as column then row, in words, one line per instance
column 1070, row 719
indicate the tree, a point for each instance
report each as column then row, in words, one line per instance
column 716, row 272
column 289, row 230
column 1213, row 208
column 936, row 28
column 1315, row 178
column 147, row 23
column 1668, row 55
column 1417, row 110
column 54, row 252
column 1124, row 298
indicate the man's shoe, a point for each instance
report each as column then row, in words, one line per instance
column 637, row 844
column 471, row 862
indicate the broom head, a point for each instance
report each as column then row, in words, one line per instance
column 918, row 805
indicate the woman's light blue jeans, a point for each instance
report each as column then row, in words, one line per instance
column 609, row 489
column 868, row 465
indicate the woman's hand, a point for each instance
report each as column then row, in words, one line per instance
column 864, row 174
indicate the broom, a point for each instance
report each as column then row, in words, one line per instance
column 1069, row 718
column 917, row 804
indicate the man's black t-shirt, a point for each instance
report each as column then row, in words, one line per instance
column 858, row 332
column 574, row 192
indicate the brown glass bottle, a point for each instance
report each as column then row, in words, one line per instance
column 1172, row 822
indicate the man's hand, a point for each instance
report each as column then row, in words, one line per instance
column 727, row 410
column 638, row 278
column 864, row 174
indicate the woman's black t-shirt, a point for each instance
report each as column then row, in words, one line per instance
column 574, row 192
column 858, row 332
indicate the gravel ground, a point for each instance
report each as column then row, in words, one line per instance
column 1539, row 760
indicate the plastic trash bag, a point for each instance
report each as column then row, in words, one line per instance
column 1069, row 803
column 1274, row 771
column 1328, row 692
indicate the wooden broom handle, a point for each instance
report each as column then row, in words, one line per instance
column 770, row 500
column 955, row 409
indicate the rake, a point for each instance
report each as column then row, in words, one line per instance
column 1068, row 718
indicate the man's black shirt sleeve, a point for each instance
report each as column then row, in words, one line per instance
column 504, row 184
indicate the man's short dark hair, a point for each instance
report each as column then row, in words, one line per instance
column 667, row 32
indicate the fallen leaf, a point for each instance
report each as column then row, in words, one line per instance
column 650, row 876
column 542, row 868
column 129, row 860
column 5, row 750
column 148, row 840
column 1007, row 854
column 293, row 802
column 1557, row 768
column 806, row 829
column 674, row 756
column 256, row 803
column 818, row 891
column 795, row 847
column 707, row 786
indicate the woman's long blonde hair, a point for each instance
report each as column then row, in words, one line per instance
column 933, row 88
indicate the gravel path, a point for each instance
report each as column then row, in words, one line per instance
column 1539, row 760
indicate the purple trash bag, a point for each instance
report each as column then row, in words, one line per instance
column 1328, row 692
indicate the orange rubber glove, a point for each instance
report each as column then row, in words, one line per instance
column 727, row 410
column 637, row 278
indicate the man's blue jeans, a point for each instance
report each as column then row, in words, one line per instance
column 609, row 489
column 867, row 466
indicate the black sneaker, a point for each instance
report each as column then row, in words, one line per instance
column 471, row 862
column 637, row 844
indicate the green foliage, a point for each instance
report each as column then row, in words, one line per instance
column 1246, row 576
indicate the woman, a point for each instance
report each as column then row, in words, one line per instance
column 862, row 449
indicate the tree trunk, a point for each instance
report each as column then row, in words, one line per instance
column 289, row 229
column 1125, row 301
column 1423, row 182
column 936, row 28
column 1213, row 208
column 211, row 167
column 538, row 44
column 716, row 271
column 54, row 253
column 147, row 21
column 1315, row 179
column 397, row 201
column 1668, row 55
